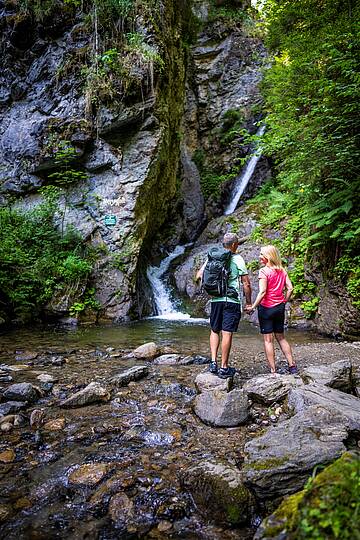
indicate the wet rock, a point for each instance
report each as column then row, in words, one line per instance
column 46, row 378
column 19, row 420
column 21, row 392
column 132, row 374
column 222, row 409
column 196, row 359
column 9, row 418
column 346, row 405
column 147, row 351
column 336, row 375
column 6, row 378
column 167, row 359
column 25, row 356
column 92, row 393
column 11, row 407
column 268, row 390
column 37, row 417
column 55, row 425
column 5, row 512
column 121, row 508
column 6, row 427
column 7, row 456
column 164, row 526
column 205, row 382
column 279, row 462
column 219, row 491
column 89, row 474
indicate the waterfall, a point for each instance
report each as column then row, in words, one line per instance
column 165, row 307
column 243, row 179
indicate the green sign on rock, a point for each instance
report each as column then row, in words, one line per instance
column 110, row 220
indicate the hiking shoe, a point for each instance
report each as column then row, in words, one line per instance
column 213, row 367
column 226, row 373
column 293, row 370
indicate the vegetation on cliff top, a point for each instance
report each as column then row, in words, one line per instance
column 312, row 105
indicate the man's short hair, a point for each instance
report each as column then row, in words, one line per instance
column 230, row 238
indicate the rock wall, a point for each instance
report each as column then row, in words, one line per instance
column 128, row 145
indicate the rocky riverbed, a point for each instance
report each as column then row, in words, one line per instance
column 103, row 442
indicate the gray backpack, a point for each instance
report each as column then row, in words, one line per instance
column 217, row 272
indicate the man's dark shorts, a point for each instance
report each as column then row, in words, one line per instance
column 225, row 316
column 271, row 319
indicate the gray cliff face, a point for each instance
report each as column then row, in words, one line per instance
column 128, row 147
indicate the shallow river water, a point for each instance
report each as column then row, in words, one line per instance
column 136, row 446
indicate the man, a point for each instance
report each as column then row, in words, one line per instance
column 226, row 311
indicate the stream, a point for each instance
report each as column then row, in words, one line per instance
column 137, row 444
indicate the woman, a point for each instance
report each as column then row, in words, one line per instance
column 270, row 301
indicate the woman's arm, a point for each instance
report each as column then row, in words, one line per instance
column 199, row 273
column 289, row 288
column 261, row 294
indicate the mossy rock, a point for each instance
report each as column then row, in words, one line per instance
column 327, row 509
column 219, row 492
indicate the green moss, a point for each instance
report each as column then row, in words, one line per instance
column 266, row 464
column 327, row 508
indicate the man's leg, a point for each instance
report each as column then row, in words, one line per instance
column 269, row 351
column 214, row 344
column 226, row 341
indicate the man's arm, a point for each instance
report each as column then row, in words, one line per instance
column 247, row 290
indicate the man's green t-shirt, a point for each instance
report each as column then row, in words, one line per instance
column 237, row 269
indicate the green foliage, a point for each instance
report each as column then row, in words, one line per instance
column 348, row 268
column 36, row 260
column 310, row 307
column 328, row 508
column 312, row 93
column 227, row 12
column 331, row 506
column 88, row 303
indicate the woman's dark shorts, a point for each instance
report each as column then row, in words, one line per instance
column 225, row 316
column 271, row 319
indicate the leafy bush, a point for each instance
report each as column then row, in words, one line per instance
column 37, row 261
column 312, row 100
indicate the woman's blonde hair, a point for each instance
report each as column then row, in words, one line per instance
column 271, row 253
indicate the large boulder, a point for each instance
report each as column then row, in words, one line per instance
column 92, row 393
column 279, row 462
column 345, row 405
column 219, row 492
column 222, row 409
column 268, row 389
column 336, row 375
column 21, row 392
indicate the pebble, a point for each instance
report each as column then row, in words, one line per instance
column 164, row 526
column 6, row 427
column 89, row 474
column 273, row 418
column 55, row 425
column 7, row 456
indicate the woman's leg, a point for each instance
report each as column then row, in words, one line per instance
column 269, row 351
column 285, row 347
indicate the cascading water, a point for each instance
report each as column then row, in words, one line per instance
column 243, row 179
column 165, row 307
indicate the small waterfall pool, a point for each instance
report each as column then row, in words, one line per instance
column 166, row 306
